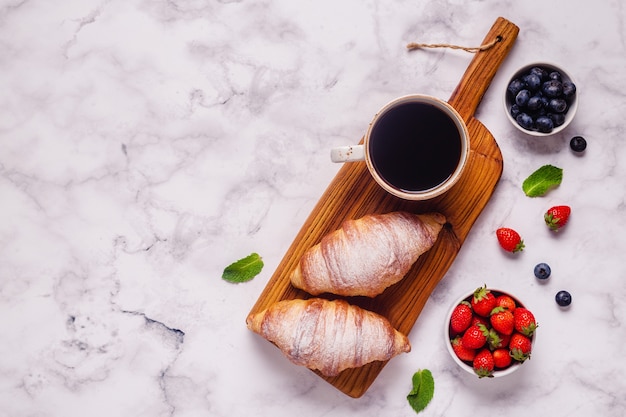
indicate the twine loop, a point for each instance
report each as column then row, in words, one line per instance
column 412, row 46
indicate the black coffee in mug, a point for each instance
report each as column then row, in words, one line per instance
column 415, row 146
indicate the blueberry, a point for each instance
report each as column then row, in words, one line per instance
column 525, row 121
column 544, row 124
column 515, row 110
column 533, row 81
column 557, row 105
column 521, row 99
column 552, row 88
column 557, row 118
column 539, row 112
column 542, row 73
column 555, row 75
column 515, row 87
column 542, row 270
column 569, row 89
column 578, row 144
column 534, row 103
column 563, row 298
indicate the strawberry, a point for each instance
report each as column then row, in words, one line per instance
column 475, row 337
column 463, row 353
column 525, row 322
column 509, row 240
column 520, row 347
column 556, row 217
column 461, row 318
column 501, row 358
column 502, row 320
column 483, row 301
column 480, row 320
column 483, row 364
column 498, row 340
column 506, row 301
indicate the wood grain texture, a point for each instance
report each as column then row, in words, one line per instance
column 353, row 193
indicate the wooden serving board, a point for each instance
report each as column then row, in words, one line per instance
column 353, row 193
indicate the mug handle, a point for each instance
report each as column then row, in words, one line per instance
column 352, row 153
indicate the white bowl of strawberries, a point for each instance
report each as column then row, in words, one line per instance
column 490, row 333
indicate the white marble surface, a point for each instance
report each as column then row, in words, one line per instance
column 145, row 145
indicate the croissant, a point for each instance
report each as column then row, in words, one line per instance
column 367, row 255
column 329, row 336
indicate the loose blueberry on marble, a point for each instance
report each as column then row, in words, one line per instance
column 542, row 271
column 563, row 298
column 578, row 144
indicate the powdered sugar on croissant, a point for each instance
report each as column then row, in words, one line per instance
column 367, row 255
column 329, row 336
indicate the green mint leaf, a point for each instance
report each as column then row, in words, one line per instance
column 244, row 269
column 542, row 180
column 423, row 390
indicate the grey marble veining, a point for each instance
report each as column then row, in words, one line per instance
column 145, row 145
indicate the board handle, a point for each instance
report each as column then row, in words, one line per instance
column 470, row 90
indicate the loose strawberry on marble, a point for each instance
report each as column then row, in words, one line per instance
column 556, row 217
column 510, row 240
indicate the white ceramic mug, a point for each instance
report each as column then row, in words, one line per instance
column 416, row 147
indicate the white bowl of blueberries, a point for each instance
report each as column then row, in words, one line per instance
column 541, row 99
